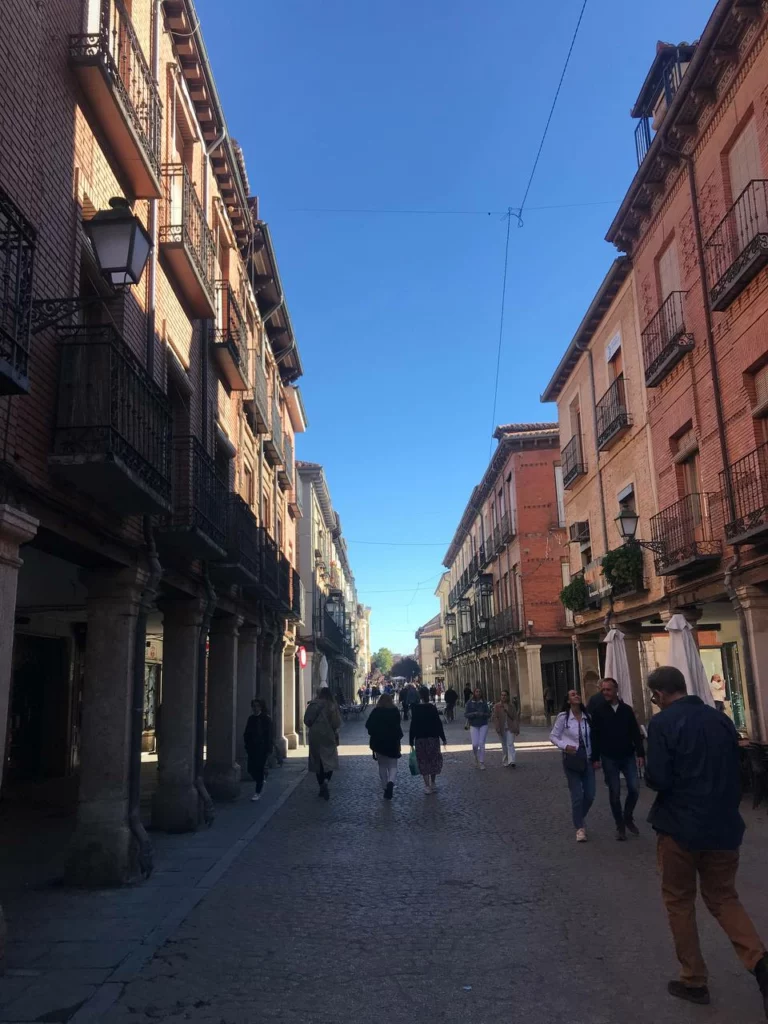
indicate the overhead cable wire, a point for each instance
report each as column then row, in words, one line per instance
column 378, row 211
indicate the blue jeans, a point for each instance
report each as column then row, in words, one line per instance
column 613, row 769
column 582, row 788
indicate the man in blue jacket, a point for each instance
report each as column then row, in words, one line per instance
column 693, row 764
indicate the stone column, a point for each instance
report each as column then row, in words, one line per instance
column 247, row 670
column 290, row 730
column 754, row 601
column 531, row 685
column 222, row 772
column 104, row 851
column 176, row 802
column 278, row 709
column 16, row 528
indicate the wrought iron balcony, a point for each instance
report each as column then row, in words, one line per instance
column 241, row 562
column 256, row 402
column 573, row 462
column 285, row 472
column 686, row 535
column 230, row 344
column 270, row 573
column 504, row 623
column 737, row 250
column 113, row 423
column 665, row 340
column 336, row 637
column 613, row 419
column 273, row 445
column 297, row 597
column 507, row 528
column 284, row 582
column 186, row 242
column 197, row 525
column 17, row 250
column 122, row 98
column 749, row 480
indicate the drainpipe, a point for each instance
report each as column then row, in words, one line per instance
column 153, row 208
column 204, row 797
column 137, row 703
column 734, row 565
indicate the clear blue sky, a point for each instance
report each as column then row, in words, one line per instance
column 429, row 105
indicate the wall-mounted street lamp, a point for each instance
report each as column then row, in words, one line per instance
column 627, row 521
column 484, row 599
column 450, row 626
column 465, row 615
column 121, row 246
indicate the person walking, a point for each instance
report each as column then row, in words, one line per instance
column 549, row 700
column 693, row 765
column 478, row 713
column 425, row 735
column 258, row 744
column 383, row 725
column 506, row 721
column 410, row 700
column 717, row 686
column 467, row 693
column 451, row 699
column 571, row 733
column 323, row 721
column 617, row 745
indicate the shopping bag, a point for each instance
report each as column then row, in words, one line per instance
column 413, row 763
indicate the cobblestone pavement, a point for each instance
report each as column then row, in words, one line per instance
column 472, row 906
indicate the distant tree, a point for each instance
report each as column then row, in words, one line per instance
column 407, row 667
column 382, row 660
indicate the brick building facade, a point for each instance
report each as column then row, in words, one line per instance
column 504, row 625
column 146, row 432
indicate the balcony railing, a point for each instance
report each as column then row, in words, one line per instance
column 273, row 445
column 17, row 250
column 613, row 419
column 256, row 402
column 243, row 548
column 749, row 481
column 686, row 534
column 186, row 242
column 284, row 582
column 572, row 461
column 270, row 564
column 122, row 96
column 336, row 636
column 113, row 423
column 738, row 248
column 507, row 528
column 504, row 623
column 665, row 340
column 297, row 596
column 231, row 339
column 197, row 525
column 285, row 472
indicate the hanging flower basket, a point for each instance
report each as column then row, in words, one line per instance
column 623, row 568
column 575, row 596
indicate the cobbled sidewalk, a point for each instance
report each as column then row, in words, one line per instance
column 472, row 906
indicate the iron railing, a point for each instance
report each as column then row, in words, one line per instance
column 243, row 539
column 183, row 221
column 686, row 533
column 612, row 413
column 199, row 494
column 109, row 405
column 277, row 430
column 670, row 77
column 260, row 396
column 572, row 461
column 269, row 564
column 117, row 48
column 284, row 580
column 297, row 595
column 665, row 340
column 231, row 327
column 287, row 470
column 17, row 251
column 749, row 484
column 738, row 247
column 507, row 528
column 504, row 623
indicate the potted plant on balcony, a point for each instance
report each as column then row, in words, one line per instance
column 623, row 569
column 575, row 596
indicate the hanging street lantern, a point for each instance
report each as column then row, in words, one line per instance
column 450, row 626
column 465, row 615
column 484, row 599
column 627, row 521
column 120, row 243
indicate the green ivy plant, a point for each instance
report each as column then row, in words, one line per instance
column 623, row 567
column 575, row 596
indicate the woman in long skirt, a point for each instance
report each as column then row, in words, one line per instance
column 323, row 721
column 425, row 736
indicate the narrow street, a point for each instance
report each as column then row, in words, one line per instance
column 474, row 905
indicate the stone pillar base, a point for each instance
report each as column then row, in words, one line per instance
column 292, row 739
column 103, row 856
column 223, row 781
column 539, row 720
column 176, row 807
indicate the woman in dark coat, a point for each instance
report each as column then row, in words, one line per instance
column 426, row 733
column 383, row 725
column 258, row 744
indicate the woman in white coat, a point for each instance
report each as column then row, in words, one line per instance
column 572, row 734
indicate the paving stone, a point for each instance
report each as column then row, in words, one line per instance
column 86, row 955
column 55, row 1000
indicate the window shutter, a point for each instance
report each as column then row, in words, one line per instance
column 761, row 389
column 744, row 163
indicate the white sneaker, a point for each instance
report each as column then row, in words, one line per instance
column 581, row 835
column 481, row 766
column 255, row 798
